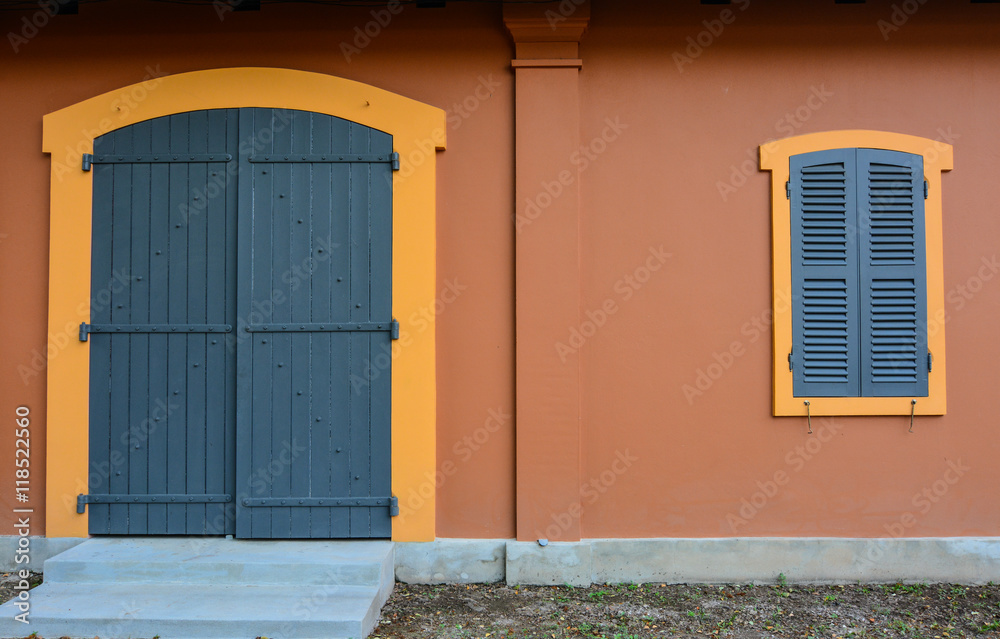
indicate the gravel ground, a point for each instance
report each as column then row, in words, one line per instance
column 8, row 582
column 634, row 611
column 658, row 610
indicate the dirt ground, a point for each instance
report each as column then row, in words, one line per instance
column 655, row 610
column 638, row 611
column 9, row 581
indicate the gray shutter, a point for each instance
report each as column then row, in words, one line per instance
column 893, row 274
column 825, row 314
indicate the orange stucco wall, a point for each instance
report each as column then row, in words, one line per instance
column 658, row 185
column 661, row 140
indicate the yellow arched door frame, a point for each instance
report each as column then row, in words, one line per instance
column 418, row 131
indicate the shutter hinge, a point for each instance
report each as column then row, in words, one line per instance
column 84, row 331
column 789, row 360
column 927, row 188
column 394, row 329
column 930, row 362
column 88, row 160
column 393, row 506
column 788, row 189
column 395, row 160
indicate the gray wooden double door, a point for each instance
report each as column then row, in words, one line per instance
column 241, row 299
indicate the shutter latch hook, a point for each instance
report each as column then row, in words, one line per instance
column 809, row 419
column 913, row 407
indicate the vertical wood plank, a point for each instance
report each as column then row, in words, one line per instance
column 261, row 301
column 280, row 288
column 100, row 349
column 319, row 286
column 163, row 405
column 343, row 392
column 361, row 355
column 177, row 313
column 244, row 344
column 121, row 249
column 138, row 407
column 380, row 206
column 302, row 260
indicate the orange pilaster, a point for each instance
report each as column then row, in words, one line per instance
column 547, row 264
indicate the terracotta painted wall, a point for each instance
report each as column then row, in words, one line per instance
column 669, row 137
column 693, row 128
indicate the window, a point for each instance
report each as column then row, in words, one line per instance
column 857, row 249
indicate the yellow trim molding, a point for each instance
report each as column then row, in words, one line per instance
column 418, row 131
column 774, row 157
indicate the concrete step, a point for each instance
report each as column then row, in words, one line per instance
column 176, row 611
column 209, row 588
column 202, row 560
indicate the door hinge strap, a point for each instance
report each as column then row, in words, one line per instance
column 317, row 327
column 169, row 498
column 314, row 502
column 326, row 158
column 153, row 158
column 86, row 328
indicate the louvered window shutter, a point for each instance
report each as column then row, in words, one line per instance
column 825, row 308
column 893, row 272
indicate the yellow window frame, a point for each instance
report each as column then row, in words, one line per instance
column 774, row 157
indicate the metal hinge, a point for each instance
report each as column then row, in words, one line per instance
column 86, row 329
column 88, row 161
column 395, row 161
column 316, row 327
column 124, row 499
column 930, row 362
column 789, row 360
column 323, row 502
column 927, row 188
column 788, row 189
